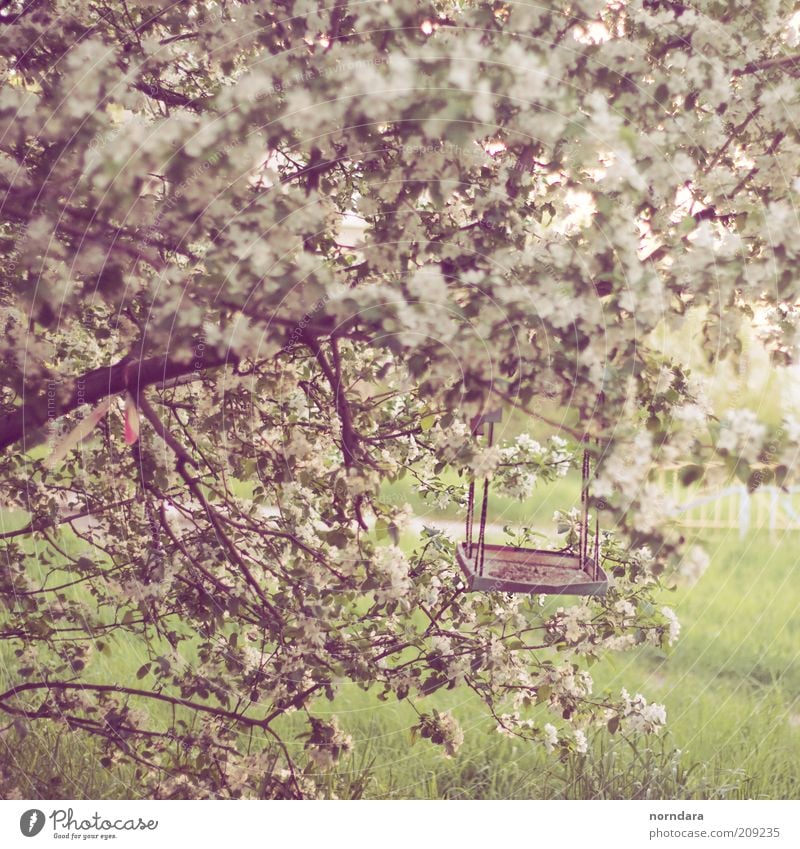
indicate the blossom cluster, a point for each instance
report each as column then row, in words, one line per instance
column 526, row 462
column 639, row 716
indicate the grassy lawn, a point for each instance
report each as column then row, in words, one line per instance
column 731, row 686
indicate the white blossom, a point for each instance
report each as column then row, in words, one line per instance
column 550, row 737
column 673, row 625
column 741, row 434
column 640, row 717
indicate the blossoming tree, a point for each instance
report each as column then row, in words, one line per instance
column 304, row 245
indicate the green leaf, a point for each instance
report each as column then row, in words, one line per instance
column 434, row 683
column 743, row 471
column 690, row 474
column 338, row 539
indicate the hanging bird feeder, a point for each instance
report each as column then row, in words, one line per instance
column 503, row 568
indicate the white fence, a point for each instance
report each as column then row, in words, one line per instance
column 734, row 508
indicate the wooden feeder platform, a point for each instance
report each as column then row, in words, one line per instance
column 530, row 570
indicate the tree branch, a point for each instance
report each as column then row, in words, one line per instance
column 167, row 96
column 129, row 691
column 768, row 64
column 43, row 524
column 96, row 385
column 163, row 431
column 350, row 439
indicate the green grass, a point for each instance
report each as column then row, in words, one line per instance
column 731, row 686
